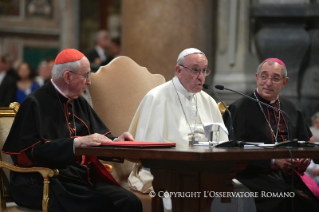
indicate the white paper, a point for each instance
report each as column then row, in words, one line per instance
column 208, row 128
column 256, row 144
column 202, row 144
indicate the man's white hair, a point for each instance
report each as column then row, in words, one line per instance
column 59, row 69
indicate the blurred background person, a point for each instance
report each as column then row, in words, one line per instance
column 9, row 66
column 313, row 169
column 98, row 56
column 7, row 84
column 45, row 71
column 26, row 83
column 41, row 68
column 315, row 128
column 115, row 47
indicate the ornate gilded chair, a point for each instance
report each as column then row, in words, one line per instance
column 115, row 93
column 7, row 115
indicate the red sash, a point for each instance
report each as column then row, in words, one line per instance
column 310, row 183
column 100, row 171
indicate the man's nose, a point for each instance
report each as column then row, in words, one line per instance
column 268, row 81
column 88, row 81
column 201, row 76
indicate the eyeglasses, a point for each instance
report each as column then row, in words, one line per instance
column 196, row 71
column 86, row 75
column 264, row 78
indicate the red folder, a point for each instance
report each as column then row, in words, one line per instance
column 137, row 144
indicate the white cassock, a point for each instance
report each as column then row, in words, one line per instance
column 161, row 117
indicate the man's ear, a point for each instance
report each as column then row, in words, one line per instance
column 286, row 81
column 67, row 77
column 178, row 70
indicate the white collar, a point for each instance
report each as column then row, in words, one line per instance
column 58, row 89
column 180, row 88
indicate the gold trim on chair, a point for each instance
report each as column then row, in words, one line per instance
column 221, row 107
column 10, row 111
column 46, row 174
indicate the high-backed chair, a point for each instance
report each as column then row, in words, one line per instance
column 7, row 115
column 116, row 91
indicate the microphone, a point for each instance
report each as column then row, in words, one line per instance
column 286, row 143
column 232, row 142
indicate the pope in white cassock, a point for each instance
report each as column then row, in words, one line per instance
column 175, row 112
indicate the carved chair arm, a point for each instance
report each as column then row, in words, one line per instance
column 46, row 174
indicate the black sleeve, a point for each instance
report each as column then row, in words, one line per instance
column 54, row 154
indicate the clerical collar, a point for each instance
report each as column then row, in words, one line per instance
column 58, row 89
column 264, row 100
column 180, row 88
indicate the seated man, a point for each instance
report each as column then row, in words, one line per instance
column 175, row 112
column 254, row 122
column 50, row 123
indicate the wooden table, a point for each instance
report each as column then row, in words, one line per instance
column 198, row 170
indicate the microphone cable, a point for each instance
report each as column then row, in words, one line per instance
column 292, row 178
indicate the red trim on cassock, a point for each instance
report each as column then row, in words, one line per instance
column 269, row 123
column 23, row 160
column 14, row 153
column 66, row 111
column 107, row 133
column 88, row 176
column 84, row 124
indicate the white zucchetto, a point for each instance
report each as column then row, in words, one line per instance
column 188, row 52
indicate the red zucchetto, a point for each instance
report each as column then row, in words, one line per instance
column 68, row 55
column 275, row 60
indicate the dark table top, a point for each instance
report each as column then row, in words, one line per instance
column 200, row 153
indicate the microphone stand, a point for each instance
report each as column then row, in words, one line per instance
column 232, row 142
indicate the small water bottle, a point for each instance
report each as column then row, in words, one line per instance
column 214, row 135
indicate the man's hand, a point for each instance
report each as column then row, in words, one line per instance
column 90, row 140
column 300, row 163
column 285, row 164
column 304, row 163
column 126, row 136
